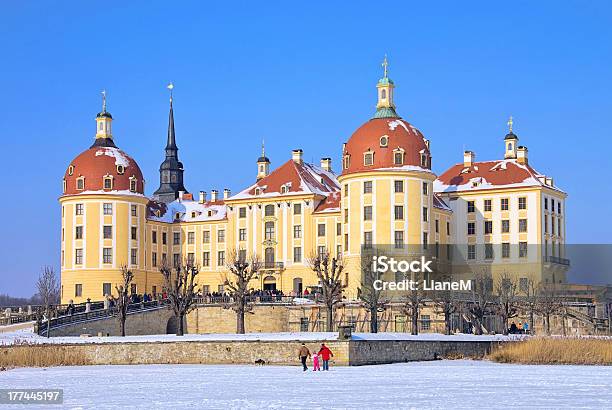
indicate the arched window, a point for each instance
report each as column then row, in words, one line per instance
column 509, row 146
column 269, row 210
column 383, row 94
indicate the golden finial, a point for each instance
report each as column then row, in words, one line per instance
column 385, row 65
column 103, row 100
column 171, row 87
column 510, row 122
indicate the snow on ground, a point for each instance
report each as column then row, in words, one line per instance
column 28, row 336
column 438, row 384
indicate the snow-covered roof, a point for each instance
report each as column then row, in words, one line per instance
column 186, row 211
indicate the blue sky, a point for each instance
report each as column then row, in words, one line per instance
column 301, row 76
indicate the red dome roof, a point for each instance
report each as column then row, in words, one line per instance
column 400, row 135
column 98, row 162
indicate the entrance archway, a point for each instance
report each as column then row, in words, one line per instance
column 269, row 283
column 297, row 286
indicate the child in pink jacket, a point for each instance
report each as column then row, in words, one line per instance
column 315, row 363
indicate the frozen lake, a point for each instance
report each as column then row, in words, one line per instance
column 457, row 384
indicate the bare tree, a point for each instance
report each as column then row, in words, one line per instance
column 414, row 301
column 445, row 302
column 507, row 298
column 181, row 290
column 549, row 303
column 530, row 302
column 122, row 301
column 371, row 298
column 48, row 287
column 482, row 299
column 329, row 272
column 242, row 270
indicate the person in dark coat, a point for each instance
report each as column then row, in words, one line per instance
column 304, row 354
column 325, row 355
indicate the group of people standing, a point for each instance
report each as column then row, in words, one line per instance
column 521, row 328
column 323, row 355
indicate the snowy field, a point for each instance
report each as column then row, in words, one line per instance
column 440, row 384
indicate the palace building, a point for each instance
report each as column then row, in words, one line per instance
column 385, row 192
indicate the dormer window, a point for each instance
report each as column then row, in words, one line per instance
column 284, row 189
column 384, row 141
column 71, row 170
column 398, row 157
column 257, row 191
column 424, row 160
column 80, row 183
column 133, row 181
column 193, row 214
column 347, row 161
column 64, row 186
column 108, row 182
column 368, row 158
column 120, row 169
column 210, row 213
column 177, row 216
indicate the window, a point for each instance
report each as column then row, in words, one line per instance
column 505, row 250
column 134, row 256
column 176, row 260
column 284, row 189
column 154, row 259
column 471, row 228
column 346, row 190
column 134, row 210
column 505, row 226
column 176, row 238
column 367, row 239
column 269, row 256
column 107, row 232
column 399, row 239
column 71, row 170
column 522, row 203
column 399, row 212
column 425, row 214
column 205, row 258
column 504, row 204
column 471, row 252
column 321, row 230
column 367, row 213
column 338, row 250
column 120, row 169
column 321, row 250
column 154, row 237
column 522, row 249
column 164, row 238
column 106, row 289
column 398, row 186
column 424, row 160
column 437, row 225
column 545, row 203
column 269, row 231
column 368, row 159
column 488, row 227
column 164, row 258
column 133, row 185
column 367, row 187
column 559, row 227
column 78, row 210
column 78, row 290
column 269, row 210
column 190, row 238
column 552, row 205
column 190, row 258
column 297, row 254
column 488, row 251
column 398, row 158
column 297, row 209
column 448, row 228
column 107, row 255
column 242, row 234
column 383, row 94
column 242, row 212
column 487, row 205
column 206, row 237
column 107, row 208
column 134, row 233
column 78, row 256
column 425, row 188
column 297, row 231
column 384, row 140
column 470, row 207
column 78, row 232
column 559, row 208
column 221, row 235
column 347, row 161
column 425, row 240
column 108, row 183
column 338, row 229
column 346, row 216
column 425, row 322
column 80, row 184
column 242, row 255
column 522, row 225
column 552, row 224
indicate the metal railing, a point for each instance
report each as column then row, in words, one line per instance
column 558, row 260
column 273, row 265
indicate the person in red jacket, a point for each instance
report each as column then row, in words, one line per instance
column 325, row 354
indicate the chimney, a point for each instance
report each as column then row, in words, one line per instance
column 202, row 197
column 521, row 155
column 296, row 155
column 326, row 164
column 226, row 193
column 181, row 194
column 468, row 158
column 213, row 195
